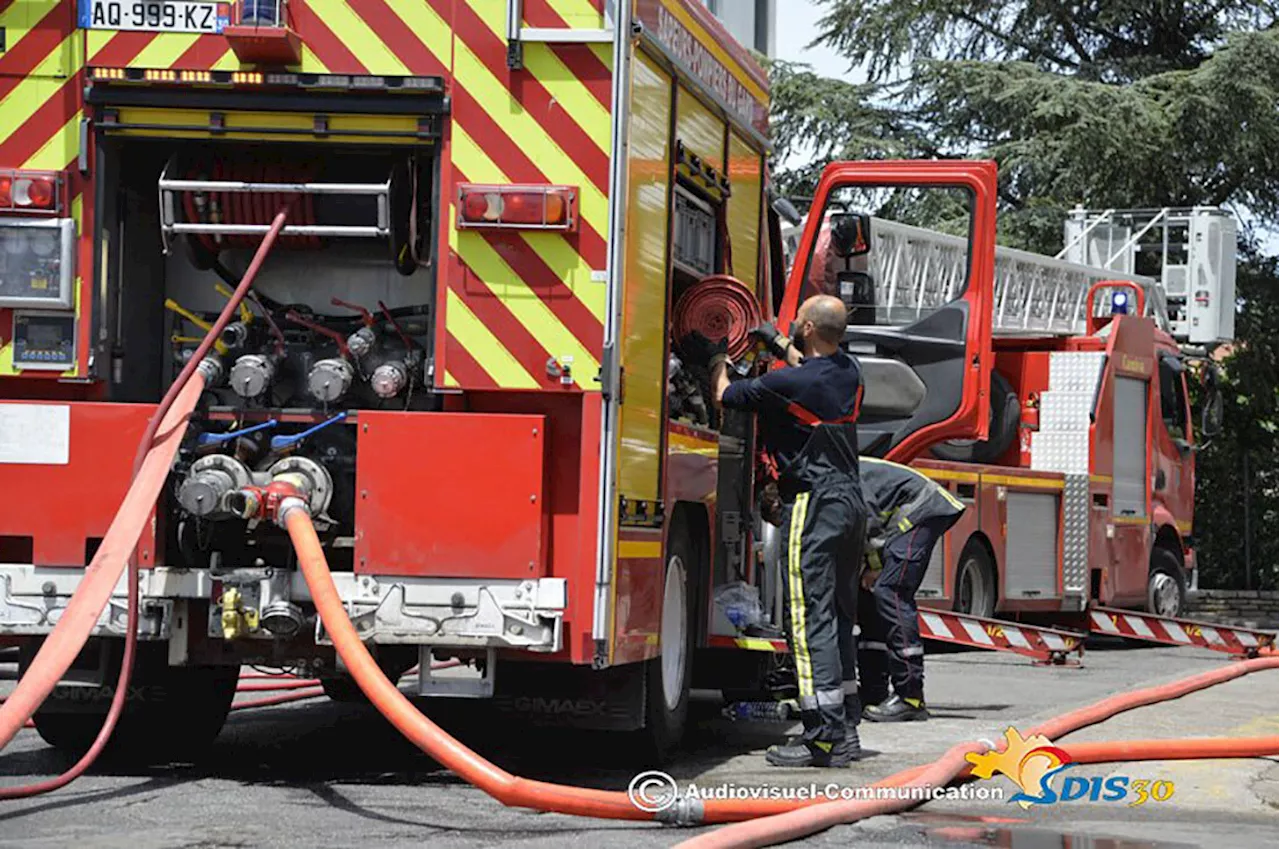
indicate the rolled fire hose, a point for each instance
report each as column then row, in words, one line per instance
column 522, row 792
column 151, row 470
column 718, row 307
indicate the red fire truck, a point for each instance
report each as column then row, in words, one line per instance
column 1083, row 492
column 459, row 350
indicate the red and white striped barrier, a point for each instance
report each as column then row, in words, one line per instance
column 1046, row 645
column 1242, row 642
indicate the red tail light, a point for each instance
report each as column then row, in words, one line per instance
column 517, row 207
column 28, row 192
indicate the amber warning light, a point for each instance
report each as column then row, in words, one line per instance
column 517, row 207
column 28, row 192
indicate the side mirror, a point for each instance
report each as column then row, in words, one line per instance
column 850, row 233
column 787, row 211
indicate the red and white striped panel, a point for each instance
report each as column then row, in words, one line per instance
column 1179, row 632
column 1048, row 645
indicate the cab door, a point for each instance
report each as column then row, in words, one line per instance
column 919, row 299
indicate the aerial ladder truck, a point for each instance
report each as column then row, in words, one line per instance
column 1081, row 497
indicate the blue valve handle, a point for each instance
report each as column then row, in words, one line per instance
column 219, row 438
column 279, row 442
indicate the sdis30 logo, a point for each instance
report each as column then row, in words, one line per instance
column 1034, row 762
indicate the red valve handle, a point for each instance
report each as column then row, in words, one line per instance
column 365, row 315
column 337, row 337
column 408, row 344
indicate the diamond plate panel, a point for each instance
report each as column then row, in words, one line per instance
column 1075, row 534
column 1065, row 451
column 1065, row 410
column 1074, row 371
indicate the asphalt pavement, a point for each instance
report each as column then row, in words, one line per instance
column 319, row 774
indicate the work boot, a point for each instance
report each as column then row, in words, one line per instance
column 798, row 752
column 897, row 709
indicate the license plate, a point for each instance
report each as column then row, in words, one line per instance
column 155, row 15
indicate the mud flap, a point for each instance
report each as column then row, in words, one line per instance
column 559, row 695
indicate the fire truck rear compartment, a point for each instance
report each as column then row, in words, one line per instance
column 303, row 353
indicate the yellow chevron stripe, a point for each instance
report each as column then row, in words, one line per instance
column 38, row 86
column 61, row 148
column 484, row 347
column 163, row 50
column 449, row 379
column 525, row 306
column 604, row 52
column 358, row 38
column 566, row 89
column 229, row 62
column 95, row 40
column 77, row 211
column 311, row 63
column 578, row 14
column 430, row 28
column 22, row 18
column 570, row 93
column 508, row 113
column 558, row 254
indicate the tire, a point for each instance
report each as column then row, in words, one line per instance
column 1006, row 414
column 975, row 591
column 668, row 676
column 1166, row 584
column 173, row 713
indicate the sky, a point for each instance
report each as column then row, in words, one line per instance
column 801, row 28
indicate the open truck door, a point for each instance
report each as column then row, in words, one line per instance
column 919, row 321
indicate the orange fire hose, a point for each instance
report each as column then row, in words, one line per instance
column 521, row 792
column 795, row 824
column 150, row 471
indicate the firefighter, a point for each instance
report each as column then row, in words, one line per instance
column 907, row 514
column 807, row 414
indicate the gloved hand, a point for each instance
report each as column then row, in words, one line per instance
column 702, row 351
column 776, row 343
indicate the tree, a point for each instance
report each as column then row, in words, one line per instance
column 1109, row 103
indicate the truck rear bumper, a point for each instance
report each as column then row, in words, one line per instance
column 445, row 612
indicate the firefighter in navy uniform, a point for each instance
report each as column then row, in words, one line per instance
column 806, row 415
column 907, row 515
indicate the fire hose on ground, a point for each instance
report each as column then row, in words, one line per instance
column 150, row 471
column 521, row 792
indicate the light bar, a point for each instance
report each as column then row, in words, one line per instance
column 30, row 191
column 517, row 207
column 256, row 78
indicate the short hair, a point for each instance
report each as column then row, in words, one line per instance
column 829, row 316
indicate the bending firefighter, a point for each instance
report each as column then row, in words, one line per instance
column 908, row 514
column 806, row 418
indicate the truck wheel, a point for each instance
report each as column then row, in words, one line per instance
column 1166, row 586
column 172, row 713
column 668, row 675
column 975, row 591
column 1006, row 414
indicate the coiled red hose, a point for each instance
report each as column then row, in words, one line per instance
column 250, row 207
column 718, row 307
